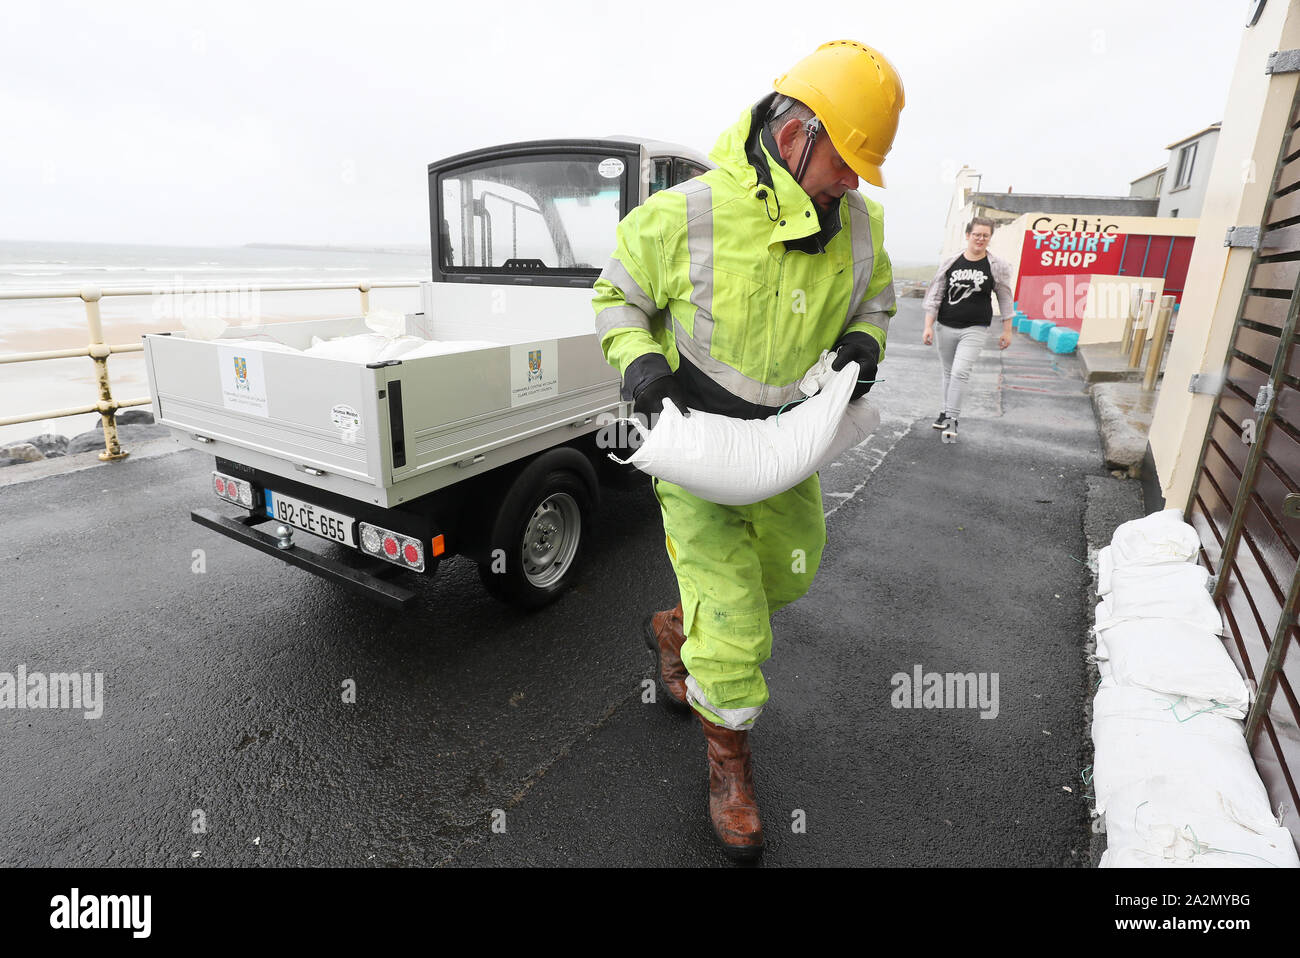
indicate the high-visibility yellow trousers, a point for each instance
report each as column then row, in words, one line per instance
column 735, row 566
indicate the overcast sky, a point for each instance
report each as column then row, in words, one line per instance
column 277, row 122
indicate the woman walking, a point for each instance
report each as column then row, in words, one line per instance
column 960, row 298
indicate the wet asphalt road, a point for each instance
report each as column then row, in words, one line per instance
column 225, row 732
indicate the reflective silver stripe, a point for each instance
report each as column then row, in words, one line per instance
column 864, row 259
column 616, row 274
column 875, row 319
column 699, row 243
column 730, row 379
column 873, row 310
column 738, row 720
column 620, row 317
column 878, row 303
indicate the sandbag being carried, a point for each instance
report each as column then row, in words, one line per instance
column 736, row 462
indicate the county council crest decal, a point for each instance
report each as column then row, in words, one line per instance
column 241, row 373
column 534, row 365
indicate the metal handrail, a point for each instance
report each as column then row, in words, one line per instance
column 99, row 351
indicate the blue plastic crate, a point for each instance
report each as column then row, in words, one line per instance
column 1062, row 340
column 1040, row 329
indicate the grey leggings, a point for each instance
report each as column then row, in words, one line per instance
column 958, row 350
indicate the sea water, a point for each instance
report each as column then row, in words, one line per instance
column 170, row 278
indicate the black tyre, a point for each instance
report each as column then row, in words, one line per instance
column 539, row 538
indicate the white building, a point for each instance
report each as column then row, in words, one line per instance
column 1182, row 191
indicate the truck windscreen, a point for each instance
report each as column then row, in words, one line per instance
column 531, row 213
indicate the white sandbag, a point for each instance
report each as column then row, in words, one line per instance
column 1159, row 537
column 1140, row 858
column 742, row 461
column 398, row 348
column 1175, row 658
column 1100, row 657
column 443, row 348
column 266, row 345
column 1185, row 707
column 1138, row 734
column 1180, row 822
column 387, row 323
column 1105, row 566
column 859, row 421
column 376, row 347
column 361, row 348
column 1172, row 590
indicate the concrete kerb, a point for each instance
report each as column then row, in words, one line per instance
column 1123, row 445
column 61, row 465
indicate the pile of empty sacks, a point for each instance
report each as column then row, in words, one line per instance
column 1172, row 772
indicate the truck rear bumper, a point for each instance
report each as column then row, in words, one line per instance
column 241, row 530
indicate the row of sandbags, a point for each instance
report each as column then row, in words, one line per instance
column 1172, row 772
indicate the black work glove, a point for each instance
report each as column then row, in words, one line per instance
column 649, row 400
column 865, row 351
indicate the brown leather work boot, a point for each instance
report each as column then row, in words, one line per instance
column 664, row 637
column 733, row 806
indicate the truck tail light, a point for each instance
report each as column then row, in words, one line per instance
column 238, row 491
column 394, row 547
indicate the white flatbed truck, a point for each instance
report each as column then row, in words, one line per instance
column 490, row 452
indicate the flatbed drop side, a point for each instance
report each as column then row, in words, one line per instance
column 495, row 452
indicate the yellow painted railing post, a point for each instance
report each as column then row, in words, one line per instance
column 1158, row 342
column 99, row 352
column 1134, row 307
column 365, row 297
column 1140, row 328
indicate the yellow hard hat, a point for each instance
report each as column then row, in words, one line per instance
column 857, row 94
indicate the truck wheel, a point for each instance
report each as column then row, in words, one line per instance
column 538, row 539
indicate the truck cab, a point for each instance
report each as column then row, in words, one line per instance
column 543, row 213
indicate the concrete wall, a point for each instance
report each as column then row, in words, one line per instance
column 1189, row 199
column 1254, row 121
column 1106, row 313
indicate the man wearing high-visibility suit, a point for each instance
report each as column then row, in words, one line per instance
column 722, row 292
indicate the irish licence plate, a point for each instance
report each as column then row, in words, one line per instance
column 312, row 518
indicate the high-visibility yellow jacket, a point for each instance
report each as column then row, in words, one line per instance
column 735, row 280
